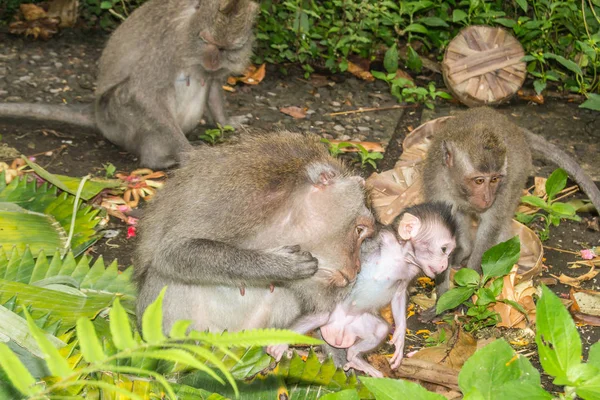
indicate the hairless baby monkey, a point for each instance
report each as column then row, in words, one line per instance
column 421, row 240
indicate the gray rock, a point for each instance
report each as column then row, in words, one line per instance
column 319, row 123
column 363, row 129
column 336, row 104
column 339, row 128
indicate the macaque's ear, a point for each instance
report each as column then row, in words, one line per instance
column 321, row 175
column 227, row 6
column 409, row 226
column 447, row 154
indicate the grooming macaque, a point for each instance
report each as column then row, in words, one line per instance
column 273, row 217
column 160, row 72
column 421, row 240
column 479, row 162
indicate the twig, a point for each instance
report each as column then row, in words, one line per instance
column 561, row 250
column 362, row 110
column 574, row 190
column 59, row 149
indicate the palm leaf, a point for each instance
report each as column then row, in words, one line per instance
column 20, row 229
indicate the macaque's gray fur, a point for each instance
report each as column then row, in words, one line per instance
column 253, row 234
column 160, row 72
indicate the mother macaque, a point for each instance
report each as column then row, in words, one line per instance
column 273, row 216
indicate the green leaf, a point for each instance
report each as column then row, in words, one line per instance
column 57, row 365
column 416, row 28
column 521, row 391
column 499, row 260
column 524, row 218
column 522, row 4
column 413, row 61
column 509, row 23
column 568, row 64
column 493, row 367
column 466, row 277
column 105, row 5
column 563, row 209
column 534, row 201
column 592, row 103
column 496, row 286
column 392, row 389
column 555, row 183
column 485, row 296
column 433, row 21
column 390, row 61
column 379, row 75
column 152, row 320
column 18, row 375
column 120, row 329
column 539, row 86
column 453, row 298
column 594, row 355
column 590, row 389
column 88, row 341
column 348, row 394
column 558, row 341
column 458, row 15
column 179, row 329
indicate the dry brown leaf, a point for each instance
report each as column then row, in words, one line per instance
column 31, row 12
column 536, row 98
column 360, row 72
column 423, row 300
column 405, row 75
column 294, row 111
column 228, row 88
column 576, row 282
column 252, row 76
column 539, row 186
column 585, row 301
column 452, row 354
column 521, row 293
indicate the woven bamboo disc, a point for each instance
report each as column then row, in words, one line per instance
column 482, row 65
column 394, row 190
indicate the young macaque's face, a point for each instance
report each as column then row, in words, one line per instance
column 432, row 243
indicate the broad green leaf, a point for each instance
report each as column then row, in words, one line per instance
column 88, row 341
column 496, row 286
column 17, row 373
column 458, row 15
column 579, row 373
column 539, row 86
column 105, row 5
column 594, row 355
column 521, row 391
column 466, row 277
column 534, row 201
column 499, row 260
column 453, row 298
column 17, row 329
column 433, row 21
column 486, row 296
column 568, row 64
column 69, row 184
column 152, row 320
column 348, row 394
column 589, row 390
column 57, row 365
column 563, row 209
column 393, row 389
column 413, row 61
column 555, row 183
column 494, row 366
column 524, row 218
column 390, row 61
column 37, row 231
column 592, row 103
column 509, row 23
column 416, row 28
column 379, row 75
column 120, row 329
column 558, row 341
column 522, row 4
column 255, row 337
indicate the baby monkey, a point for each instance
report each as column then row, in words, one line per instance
column 421, row 240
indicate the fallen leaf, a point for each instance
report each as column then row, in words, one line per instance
column 294, row 111
column 576, row 282
column 228, row 88
column 31, row 12
column 453, row 353
column 423, row 301
column 361, row 70
column 252, row 76
column 536, row 98
column 522, row 293
column 403, row 74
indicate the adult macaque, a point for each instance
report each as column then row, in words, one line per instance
column 160, row 71
column 273, row 216
column 479, row 162
column 421, row 240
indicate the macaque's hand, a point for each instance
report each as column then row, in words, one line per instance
column 398, row 341
column 276, row 351
column 297, row 264
column 238, row 121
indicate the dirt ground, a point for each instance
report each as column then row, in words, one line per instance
column 63, row 70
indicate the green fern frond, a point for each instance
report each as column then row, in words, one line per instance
column 256, row 337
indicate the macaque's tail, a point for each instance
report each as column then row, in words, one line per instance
column 566, row 162
column 73, row 115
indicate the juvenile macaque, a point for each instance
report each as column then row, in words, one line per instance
column 479, row 163
column 253, row 234
column 159, row 73
column 421, row 241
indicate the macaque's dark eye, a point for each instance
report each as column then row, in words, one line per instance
column 444, row 249
column 495, row 179
column 479, row 181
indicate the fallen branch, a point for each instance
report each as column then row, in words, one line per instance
column 428, row 372
column 362, row 110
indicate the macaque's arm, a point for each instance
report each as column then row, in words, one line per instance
column 399, row 313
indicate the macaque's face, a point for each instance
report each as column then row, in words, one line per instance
column 481, row 189
column 432, row 248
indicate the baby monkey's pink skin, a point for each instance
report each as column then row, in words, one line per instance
column 390, row 261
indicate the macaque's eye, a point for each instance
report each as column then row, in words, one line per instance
column 479, row 181
column 444, row 249
column 495, row 179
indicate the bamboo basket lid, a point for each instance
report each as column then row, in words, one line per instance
column 394, row 190
column 482, row 66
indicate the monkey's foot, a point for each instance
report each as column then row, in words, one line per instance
column 276, row 351
column 361, row 365
column 238, row 121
